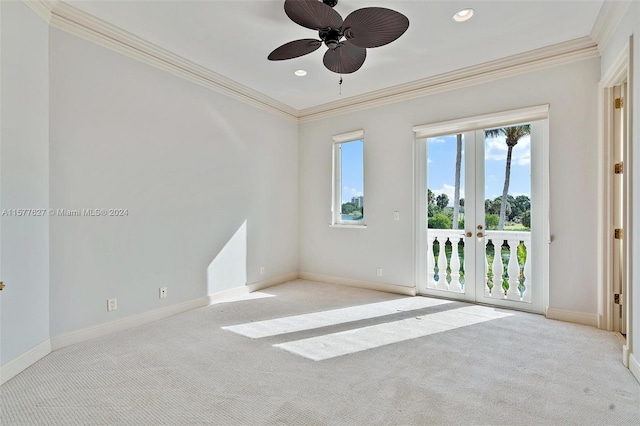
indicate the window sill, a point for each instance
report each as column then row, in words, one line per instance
column 344, row 225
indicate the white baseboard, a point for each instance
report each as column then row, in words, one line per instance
column 571, row 316
column 24, row 361
column 634, row 366
column 625, row 355
column 280, row 279
column 84, row 334
column 369, row 285
column 238, row 292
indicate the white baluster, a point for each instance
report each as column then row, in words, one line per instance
column 514, row 270
column 442, row 264
column 498, row 291
column 485, row 279
column 455, row 266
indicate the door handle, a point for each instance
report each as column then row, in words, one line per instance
column 480, row 235
column 469, row 234
column 1, row 286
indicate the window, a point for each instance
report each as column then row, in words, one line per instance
column 348, row 179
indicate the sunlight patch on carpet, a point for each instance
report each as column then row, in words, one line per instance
column 314, row 320
column 360, row 339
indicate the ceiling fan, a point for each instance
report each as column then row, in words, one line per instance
column 347, row 40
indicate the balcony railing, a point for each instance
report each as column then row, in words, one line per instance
column 506, row 256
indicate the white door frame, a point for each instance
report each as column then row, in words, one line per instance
column 487, row 121
column 620, row 71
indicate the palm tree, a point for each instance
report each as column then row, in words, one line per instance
column 512, row 136
column 456, row 196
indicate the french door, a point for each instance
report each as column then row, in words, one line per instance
column 474, row 244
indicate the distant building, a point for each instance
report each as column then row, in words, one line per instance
column 358, row 201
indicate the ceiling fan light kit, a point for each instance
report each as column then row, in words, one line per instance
column 347, row 40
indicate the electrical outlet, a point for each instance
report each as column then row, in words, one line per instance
column 163, row 292
column 262, row 270
column 112, row 304
column 396, row 215
column 379, row 272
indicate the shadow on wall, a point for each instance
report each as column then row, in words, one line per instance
column 229, row 268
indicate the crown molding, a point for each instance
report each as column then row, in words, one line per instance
column 533, row 60
column 72, row 20
column 608, row 19
column 42, row 8
column 63, row 16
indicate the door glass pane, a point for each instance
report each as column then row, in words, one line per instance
column 507, row 205
column 445, row 213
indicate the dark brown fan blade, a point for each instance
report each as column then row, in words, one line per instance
column 374, row 26
column 295, row 48
column 312, row 14
column 345, row 59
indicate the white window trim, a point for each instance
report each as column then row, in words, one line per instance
column 336, row 202
column 486, row 121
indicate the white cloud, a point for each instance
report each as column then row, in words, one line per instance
column 496, row 149
column 436, row 140
column 348, row 193
column 449, row 190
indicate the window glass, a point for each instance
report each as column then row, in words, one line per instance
column 351, row 162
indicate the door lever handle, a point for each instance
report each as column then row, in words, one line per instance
column 469, row 234
column 1, row 286
column 480, row 235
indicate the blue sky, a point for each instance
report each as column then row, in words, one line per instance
column 352, row 168
column 441, row 158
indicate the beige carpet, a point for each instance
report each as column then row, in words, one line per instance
column 393, row 361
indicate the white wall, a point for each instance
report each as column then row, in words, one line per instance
column 571, row 91
column 630, row 26
column 24, row 243
column 194, row 168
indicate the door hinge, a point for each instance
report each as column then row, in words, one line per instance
column 618, row 168
column 616, row 299
column 1, row 286
column 617, row 233
column 618, row 103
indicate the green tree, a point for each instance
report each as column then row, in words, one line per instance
column 512, row 136
column 492, row 206
column 526, row 219
column 439, row 221
column 442, row 200
column 431, row 198
column 521, row 204
column 348, row 208
column 492, row 221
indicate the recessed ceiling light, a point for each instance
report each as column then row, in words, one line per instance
column 463, row 15
column 300, row 73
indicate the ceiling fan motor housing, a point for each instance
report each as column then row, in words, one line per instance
column 330, row 3
column 331, row 37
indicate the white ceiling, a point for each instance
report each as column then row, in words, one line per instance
column 233, row 38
